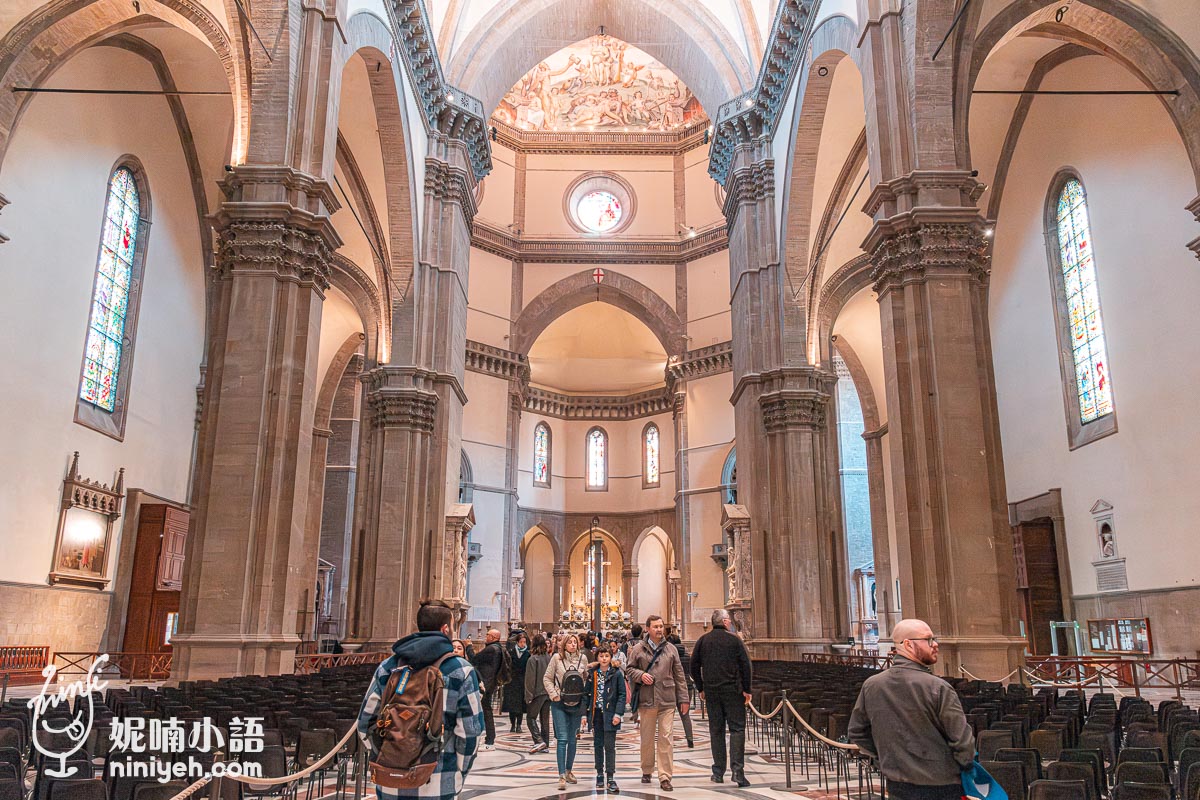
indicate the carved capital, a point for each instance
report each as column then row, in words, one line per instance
column 288, row 251
column 410, row 409
column 450, row 184
column 749, row 184
column 906, row 253
column 784, row 411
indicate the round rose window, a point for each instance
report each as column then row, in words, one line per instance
column 599, row 211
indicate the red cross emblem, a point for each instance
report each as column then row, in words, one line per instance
column 598, row 275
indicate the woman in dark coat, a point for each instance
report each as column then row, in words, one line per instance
column 514, row 692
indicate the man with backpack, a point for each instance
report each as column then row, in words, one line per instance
column 658, row 687
column 495, row 669
column 421, row 717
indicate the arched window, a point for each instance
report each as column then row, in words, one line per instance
column 650, row 456
column 597, row 460
column 108, row 352
column 541, row 455
column 729, row 478
column 1087, row 379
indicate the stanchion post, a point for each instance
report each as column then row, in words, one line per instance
column 4, row 688
column 787, row 740
column 214, row 785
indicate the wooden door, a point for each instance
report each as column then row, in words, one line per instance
column 157, row 579
column 1036, row 558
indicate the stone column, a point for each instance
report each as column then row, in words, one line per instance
column 408, row 476
column 247, row 570
column 629, row 583
column 562, row 590
column 781, row 406
column 683, row 516
column 880, row 535
column 673, row 612
column 954, row 544
column 337, row 475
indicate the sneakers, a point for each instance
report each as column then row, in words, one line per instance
column 562, row 783
column 540, row 747
column 488, row 747
column 612, row 787
column 571, row 777
column 600, row 781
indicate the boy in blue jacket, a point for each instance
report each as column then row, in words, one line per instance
column 605, row 690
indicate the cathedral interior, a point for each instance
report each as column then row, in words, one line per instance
column 570, row 312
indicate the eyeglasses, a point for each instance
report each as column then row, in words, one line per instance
column 930, row 640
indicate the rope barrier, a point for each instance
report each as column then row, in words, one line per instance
column 763, row 716
column 813, row 731
column 260, row 782
column 1040, row 681
column 974, row 677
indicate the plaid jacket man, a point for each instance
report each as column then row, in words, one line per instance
column 462, row 709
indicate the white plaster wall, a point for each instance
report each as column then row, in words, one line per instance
column 539, row 584
column 858, row 324
column 709, row 320
column 55, row 175
column 567, row 490
column 700, row 191
column 1138, row 180
column 339, row 320
column 489, row 299
column 659, row 278
column 652, row 179
column 485, row 418
column 651, row 561
column 499, row 188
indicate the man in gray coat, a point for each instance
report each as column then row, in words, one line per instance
column 924, row 741
column 657, row 679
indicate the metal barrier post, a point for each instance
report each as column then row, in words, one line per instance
column 4, row 689
column 787, row 733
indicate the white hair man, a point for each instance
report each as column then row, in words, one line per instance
column 912, row 721
column 721, row 671
column 487, row 663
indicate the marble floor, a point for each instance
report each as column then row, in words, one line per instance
column 510, row 773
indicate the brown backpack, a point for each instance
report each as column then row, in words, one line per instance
column 408, row 730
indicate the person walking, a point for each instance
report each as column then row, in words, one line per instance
column 721, row 671
column 656, row 675
column 461, row 703
column 684, row 717
column 487, row 662
column 564, row 683
column 537, row 700
column 605, row 693
column 925, row 741
column 514, row 691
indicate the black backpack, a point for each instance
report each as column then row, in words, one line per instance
column 571, row 688
column 504, row 670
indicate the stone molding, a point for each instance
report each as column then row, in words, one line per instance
column 599, row 407
column 287, row 251
column 577, row 250
column 946, row 189
column 497, row 362
column 512, row 366
column 450, row 184
column 601, row 142
column 756, row 112
column 702, row 363
column 907, row 252
column 447, row 109
column 1194, row 208
column 788, row 410
column 748, row 184
column 3, row 202
column 392, row 401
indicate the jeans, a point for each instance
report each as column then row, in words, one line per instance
column 539, row 719
column 606, row 751
column 566, row 726
column 727, row 706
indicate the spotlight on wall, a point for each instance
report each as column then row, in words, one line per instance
column 989, row 232
column 748, row 102
column 450, row 97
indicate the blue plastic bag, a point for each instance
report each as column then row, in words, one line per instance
column 979, row 785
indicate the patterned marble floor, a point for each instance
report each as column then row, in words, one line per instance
column 510, row 773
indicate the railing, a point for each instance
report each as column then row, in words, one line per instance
column 309, row 664
column 847, row 660
column 1092, row 672
column 21, row 665
column 127, row 666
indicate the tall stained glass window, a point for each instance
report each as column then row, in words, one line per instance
column 597, row 459
column 1085, row 362
column 650, row 455
column 1083, row 304
column 541, row 454
column 110, row 297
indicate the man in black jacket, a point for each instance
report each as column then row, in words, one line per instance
column 487, row 663
column 721, row 671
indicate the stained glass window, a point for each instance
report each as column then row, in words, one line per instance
column 599, row 211
column 541, row 454
column 1093, row 385
column 110, row 298
column 650, row 437
column 597, row 459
